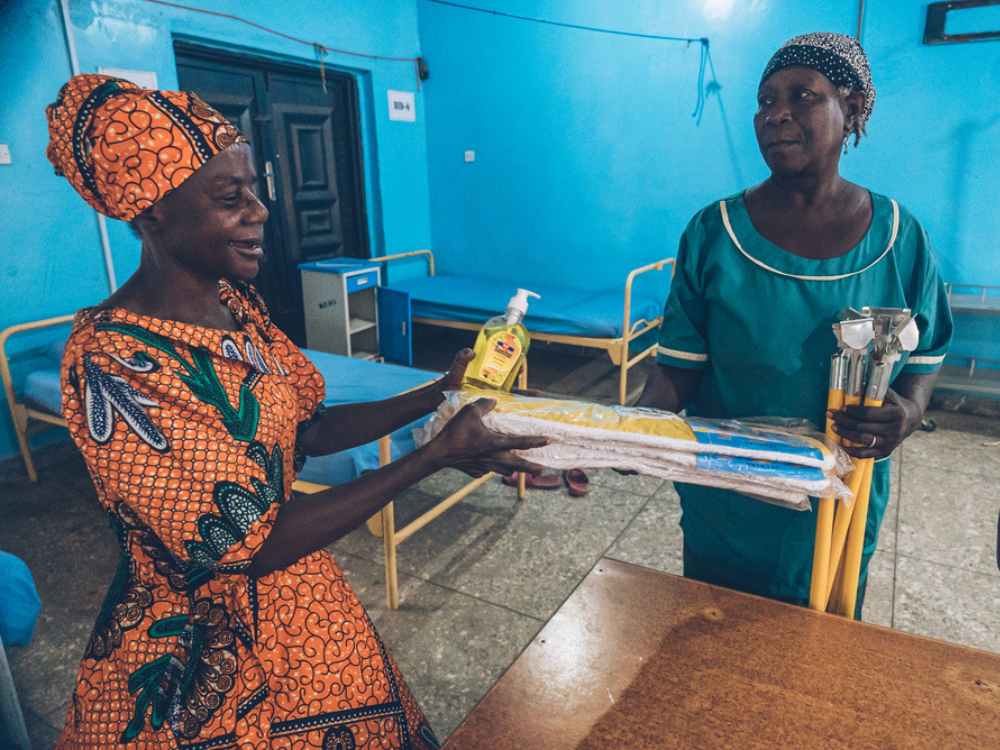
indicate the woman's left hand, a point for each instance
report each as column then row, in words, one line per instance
column 452, row 380
column 876, row 431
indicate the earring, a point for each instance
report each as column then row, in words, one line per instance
column 847, row 140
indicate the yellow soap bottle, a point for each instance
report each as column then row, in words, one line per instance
column 501, row 346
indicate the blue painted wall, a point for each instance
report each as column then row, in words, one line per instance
column 935, row 149
column 588, row 161
column 50, row 254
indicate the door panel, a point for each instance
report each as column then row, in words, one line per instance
column 394, row 341
column 322, row 161
column 232, row 92
column 310, row 181
column 310, row 138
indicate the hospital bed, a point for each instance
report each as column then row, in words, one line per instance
column 348, row 380
column 977, row 312
column 609, row 320
column 38, row 405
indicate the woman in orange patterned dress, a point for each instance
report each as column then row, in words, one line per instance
column 228, row 624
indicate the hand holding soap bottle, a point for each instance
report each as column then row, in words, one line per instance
column 501, row 346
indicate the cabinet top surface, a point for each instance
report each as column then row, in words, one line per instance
column 339, row 266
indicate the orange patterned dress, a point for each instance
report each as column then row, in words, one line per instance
column 190, row 436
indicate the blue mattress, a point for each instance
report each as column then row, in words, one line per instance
column 570, row 312
column 42, row 389
column 349, row 381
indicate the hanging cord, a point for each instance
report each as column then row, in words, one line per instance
column 320, row 54
column 705, row 57
column 321, row 50
column 699, row 108
column 568, row 25
column 704, row 89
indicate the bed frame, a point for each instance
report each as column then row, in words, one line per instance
column 617, row 348
column 383, row 523
column 27, row 420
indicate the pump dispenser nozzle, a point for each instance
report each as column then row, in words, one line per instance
column 500, row 346
column 518, row 305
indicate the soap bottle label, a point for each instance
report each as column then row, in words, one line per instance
column 503, row 350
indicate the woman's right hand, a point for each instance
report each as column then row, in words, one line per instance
column 468, row 445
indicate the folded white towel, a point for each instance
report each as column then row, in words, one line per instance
column 779, row 465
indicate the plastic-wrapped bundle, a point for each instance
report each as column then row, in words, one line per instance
column 774, row 463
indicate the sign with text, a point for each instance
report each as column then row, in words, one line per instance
column 401, row 106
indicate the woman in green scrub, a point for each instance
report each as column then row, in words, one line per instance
column 761, row 277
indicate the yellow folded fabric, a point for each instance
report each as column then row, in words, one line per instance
column 665, row 429
column 778, row 465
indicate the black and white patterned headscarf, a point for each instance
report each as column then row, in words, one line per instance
column 837, row 56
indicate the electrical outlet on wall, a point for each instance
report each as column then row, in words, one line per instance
column 470, row 156
column 4, row 154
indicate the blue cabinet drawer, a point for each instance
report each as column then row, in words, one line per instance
column 362, row 281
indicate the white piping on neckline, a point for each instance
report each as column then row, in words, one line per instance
column 732, row 236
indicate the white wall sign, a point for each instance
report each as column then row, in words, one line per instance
column 401, row 106
column 142, row 78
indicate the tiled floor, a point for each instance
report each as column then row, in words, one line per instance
column 479, row 582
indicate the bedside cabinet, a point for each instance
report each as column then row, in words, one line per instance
column 348, row 312
column 341, row 311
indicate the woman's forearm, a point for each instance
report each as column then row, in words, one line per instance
column 669, row 388
column 346, row 426
column 307, row 523
column 916, row 387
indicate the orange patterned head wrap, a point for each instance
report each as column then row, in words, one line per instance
column 123, row 148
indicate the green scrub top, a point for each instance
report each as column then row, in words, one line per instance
column 758, row 320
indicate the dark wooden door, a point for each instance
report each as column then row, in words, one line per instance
column 306, row 144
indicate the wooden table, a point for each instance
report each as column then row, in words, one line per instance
column 641, row 659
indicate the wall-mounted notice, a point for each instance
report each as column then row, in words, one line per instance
column 401, row 106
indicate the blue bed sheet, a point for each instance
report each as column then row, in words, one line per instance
column 42, row 389
column 349, row 381
column 560, row 310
